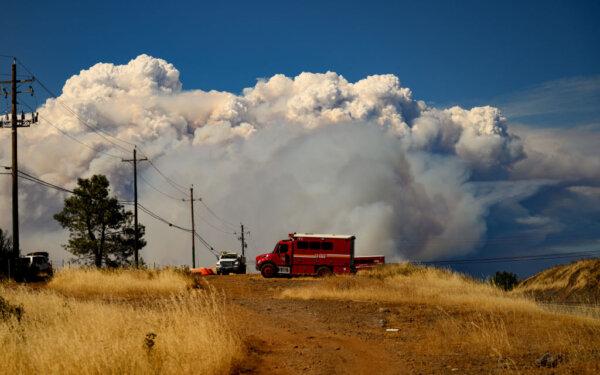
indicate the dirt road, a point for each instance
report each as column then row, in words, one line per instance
column 333, row 337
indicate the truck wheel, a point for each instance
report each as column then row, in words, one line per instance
column 268, row 271
column 324, row 271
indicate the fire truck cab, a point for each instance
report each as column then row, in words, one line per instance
column 307, row 254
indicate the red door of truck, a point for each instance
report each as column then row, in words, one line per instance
column 304, row 257
column 284, row 252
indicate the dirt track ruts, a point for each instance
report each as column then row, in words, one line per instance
column 330, row 337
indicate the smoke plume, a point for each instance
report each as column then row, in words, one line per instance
column 311, row 153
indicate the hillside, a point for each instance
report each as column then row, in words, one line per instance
column 577, row 282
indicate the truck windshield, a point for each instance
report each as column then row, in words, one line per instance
column 229, row 256
column 39, row 260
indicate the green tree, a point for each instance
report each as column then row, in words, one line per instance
column 6, row 249
column 121, row 248
column 99, row 227
column 504, row 280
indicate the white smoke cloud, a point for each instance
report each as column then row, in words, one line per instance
column 309, row 153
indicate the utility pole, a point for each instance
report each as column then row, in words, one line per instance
column 193, row 228
column 243, row 240
column 16, row 123
column 14, row 165
column 135, row 208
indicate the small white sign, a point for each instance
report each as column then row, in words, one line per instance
column 284, row 269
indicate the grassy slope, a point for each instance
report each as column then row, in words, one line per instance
column 120, row 283
column 475, row 319
column 61, row 332
column 575, row 282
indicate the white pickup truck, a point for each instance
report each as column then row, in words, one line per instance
column 231, row 263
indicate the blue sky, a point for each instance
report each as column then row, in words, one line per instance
column 464, row 52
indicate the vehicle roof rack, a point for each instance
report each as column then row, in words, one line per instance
column 324, row 235
column 39, row 253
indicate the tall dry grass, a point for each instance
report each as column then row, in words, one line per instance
column 447, row 313
column 120, row 283
column 406, row 282
column 187, row 331
column 576, row 282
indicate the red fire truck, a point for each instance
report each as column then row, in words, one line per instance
column 307, row 254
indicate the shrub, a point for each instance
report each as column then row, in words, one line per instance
column 505, row 280
column 8, row 310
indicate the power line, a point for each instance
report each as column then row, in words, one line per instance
column 28, row 177
column 516, row 258
column 227, row 223
column 215, row 227
column 101, row 132
column 508, row 259
column 96, row 130
column 74, row 138
column 18, row 75
column 177, row 186
column 160, row 191
column 207, row 245
column 32, row 178
column 104, row 153
column 216, row 216
column 499, row 240
column 180, row 188
column 170, row 224
column 165, row 221
column 105, row 134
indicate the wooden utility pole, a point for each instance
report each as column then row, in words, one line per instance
column 193, row 228
column 14, row 165
column 243, row 240
column 16, row 123
column 135, row 207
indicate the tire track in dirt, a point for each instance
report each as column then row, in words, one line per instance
column 312, row 337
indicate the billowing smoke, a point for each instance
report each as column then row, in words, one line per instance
column 311, row 153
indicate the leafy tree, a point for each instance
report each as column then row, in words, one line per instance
column 99, row 227
column 121, row 249
column 504, row 280
column 6, row 247
column 6, row 250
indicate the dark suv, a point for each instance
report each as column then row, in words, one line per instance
column 34, row 266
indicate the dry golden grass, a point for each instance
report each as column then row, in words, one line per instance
column 120, row 283
column 409, row 283
column 189, row 331
column 578, row 281
column 450, row 313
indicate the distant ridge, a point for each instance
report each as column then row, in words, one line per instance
column 577, row 282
